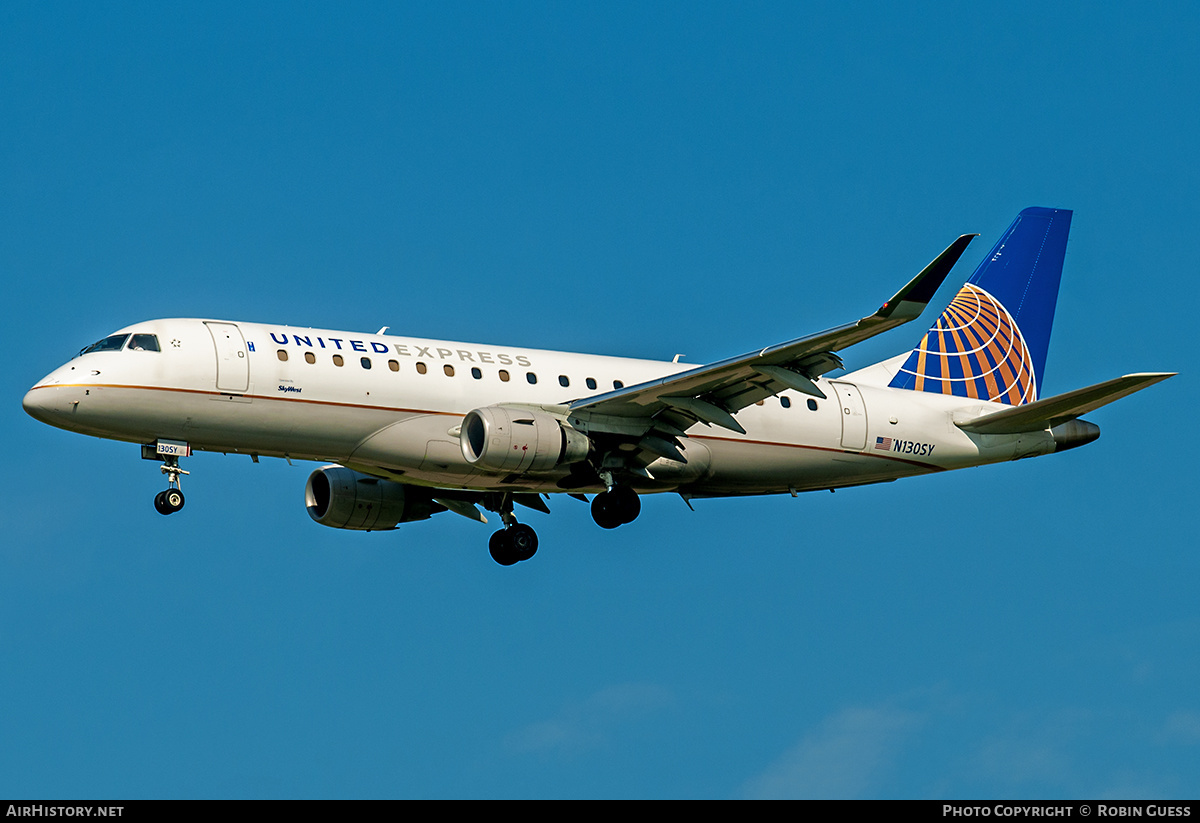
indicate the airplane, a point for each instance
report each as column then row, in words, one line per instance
column 409, row 427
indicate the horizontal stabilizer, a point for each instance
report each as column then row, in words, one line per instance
column 1059, row 409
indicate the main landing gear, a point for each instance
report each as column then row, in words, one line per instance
column 170, row 500
column 516, row 541
column 616, row 507
column 512, row 544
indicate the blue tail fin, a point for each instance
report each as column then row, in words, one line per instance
column 990, row 343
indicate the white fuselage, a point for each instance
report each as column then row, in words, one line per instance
column 392, row 406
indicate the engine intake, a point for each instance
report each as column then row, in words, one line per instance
column 345, row 499
column 513, row 439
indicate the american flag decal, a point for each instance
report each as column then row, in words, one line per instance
column 883, row 444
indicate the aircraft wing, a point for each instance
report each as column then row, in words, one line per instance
column 714, row 393
column 1053, row 411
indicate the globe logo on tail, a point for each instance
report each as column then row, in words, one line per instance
column 973, row 350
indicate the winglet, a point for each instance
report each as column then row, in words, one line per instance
column 910, row 301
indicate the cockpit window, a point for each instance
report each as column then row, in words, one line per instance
column 111, row 343
column 144, row 342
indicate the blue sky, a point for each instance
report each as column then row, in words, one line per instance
column 620, row 179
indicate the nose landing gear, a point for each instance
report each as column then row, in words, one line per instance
column 171, row 499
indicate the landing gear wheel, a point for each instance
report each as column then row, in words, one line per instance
column 169, row 501
column 615, row 507
column 628, row 504
column 501, row 548
column 523, row 540
column 604, row 512
column 513, row 544
column 173, row 498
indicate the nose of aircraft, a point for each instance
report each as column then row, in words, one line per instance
column 36, row 403
column 47, row 401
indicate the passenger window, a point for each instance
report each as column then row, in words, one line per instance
column 111, row 343
column 421, row 369
column 393, row 365
column 617, row 384
column 144, row 342
column 476, row 373
column 531, row 377
column 309, row 357
column 366, row 362
column 812, row 404
column 282, row 355
column 338, row 361
column 591, row 382
column 503, row 376
column 448, row 369
column 564, row 381
column 786, row 402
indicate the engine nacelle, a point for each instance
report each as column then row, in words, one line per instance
column 344, row 499
column 513, row 439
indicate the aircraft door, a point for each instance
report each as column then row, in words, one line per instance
column 233, row 366
column 854, row 416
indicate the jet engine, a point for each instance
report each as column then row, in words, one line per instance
column 514, row 439
column 344, row 499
